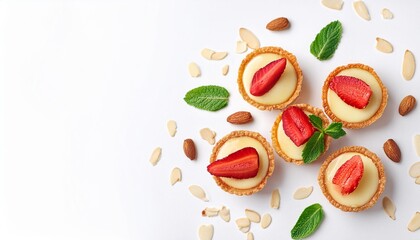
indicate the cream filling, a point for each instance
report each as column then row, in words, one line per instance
column 235, row 144
column 282, row 90
column 367, row 187
column 351, row 114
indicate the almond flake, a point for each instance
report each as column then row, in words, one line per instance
column 194, row 70
column 245, row 229
column 176, row 176
column 416, row 142
column 266, row 221
column 208, row 135
column 333, row 4
column 275, row 199
column 207, row 53
column 414, row 223
column 409, row 65
column 205, row 232
column 387, row 14
column 224, row 213
column 252, row 215
column 361, row 10
column 241, row 47
column 417, row 180
column 302, row 193
column 210, row 212
column 389, row 207
column 383, row 45
column 171, row 125
column 225, row 70
column 250, row 38
column 414, row 170
column 250, row 236
column 198, row 192
column 155, row 157
column 242, row 222
column 219, row 55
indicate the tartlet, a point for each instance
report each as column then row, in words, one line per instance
column 352, row 117
column 233, row 142
column 284, row 147
column 370, row 187
column 287, row 88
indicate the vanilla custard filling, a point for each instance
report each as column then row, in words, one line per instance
column 235, row 144
column 351, row 114
column 282, row 90
column 367, row 187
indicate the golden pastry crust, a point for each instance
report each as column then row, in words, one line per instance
column 305, row 107
column 270, row 154
column 381, row 174
column 354, row 125
column 279, row 51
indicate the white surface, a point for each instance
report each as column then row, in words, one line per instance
column 87, row 88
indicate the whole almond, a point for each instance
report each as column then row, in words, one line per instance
column 407, row 104
column 189, row 149
column 240, row 117
column 392, row 150
column 278, row 24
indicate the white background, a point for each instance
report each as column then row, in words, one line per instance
column 88, row 86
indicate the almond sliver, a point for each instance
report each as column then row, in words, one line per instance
column 224, row 213
column 250, row 38
column 389, row 207
column 361, row 10
column 414, row 223
column 225, row 70
column 302, row 193
column 275, row 199
column 409, row 65
column 219, row 55
column 414, row 170
column 207, row 53
column 155, row 157
column 252, row 215
column 176, row 176
column 241, row 47
column 266, row 221
column 383, row 45
column 333, row 4
column 198, row 192
column 242, row 222
column 387, row 14
column 205, row 232
column 194, row 70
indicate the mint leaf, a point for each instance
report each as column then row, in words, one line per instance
column 335, row 130
column 314, row 147
column 308, row 222
column 316, row 122
column 210, row 98
column 326, row 41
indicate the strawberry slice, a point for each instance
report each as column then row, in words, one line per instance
column 296, row 125
column 351, row 90
column 348, row 176
column 241, row 164
column 266, row 77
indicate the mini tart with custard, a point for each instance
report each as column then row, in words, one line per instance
column 369, row 188
column 285, row 90
column 353, row 117
column 284, row 146
column 234, row 142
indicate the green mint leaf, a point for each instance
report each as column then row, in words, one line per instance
column 308, row 222
column 316, row 122
column 327, row 40
column 210, row 98
column 314, row 147
column 335, row 130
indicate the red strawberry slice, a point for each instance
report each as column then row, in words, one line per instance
column 296, row 125
column 266, row 77
column 348, row 176
column 241, row 164
column 351, row 90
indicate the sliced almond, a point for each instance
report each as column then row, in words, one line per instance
column 414, row 170
column 387, row 14
column 225, row 70
column 208, row 135
column 361, row 10
column 252, row 215
column 245, row 229
column 383, row 45
column 266, row 221
column 409, row 65
column 416, row 142
column 275, row 199
column 389, row 207
column 219, row 55
column 171, row 126
column 224, row 213
column 205, row 232
column 417, row 180
column 414, row 223
column 302, row 193
column 210, row 212
column 333, row 4
column 176, row 176
column 194, row 70
column 198, row 192
column 250, row 236
column 207, row 53
column 155, row 157
column 250, row 38
column 241, row 47
column 242, row 222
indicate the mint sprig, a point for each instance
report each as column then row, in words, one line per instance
column 326, row 41
column 309, row 220
column 210, row 98
column 316, row 144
